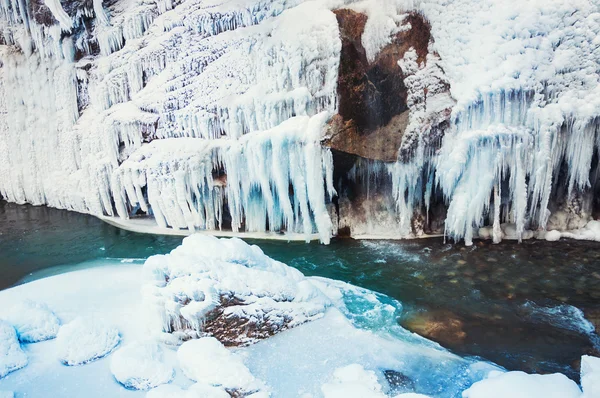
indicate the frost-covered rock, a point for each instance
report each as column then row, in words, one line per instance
column 590, row 376
column 141, row 366
column 353, row 381
column 33, row 321
column 552, row 236
column 197, row 390
column 522, row 385
column 207, row 361
column 84, row 340
column 227, row 289
column 12, row 356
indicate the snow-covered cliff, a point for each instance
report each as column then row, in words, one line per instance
column 377, row 117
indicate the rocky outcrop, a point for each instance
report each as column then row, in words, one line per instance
column 375, row 98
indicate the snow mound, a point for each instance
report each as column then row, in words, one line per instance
column 590, row 376
column 140, row 366
column 12, row 356
column 7, row 394
column 34, row 322
column 353, row 381
column 84, row 340
column 523, row 385
column 207, row 361
column 195, row 391
column 227, row 289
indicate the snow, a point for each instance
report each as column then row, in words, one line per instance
column 353, row 381
column 84, row 340
column 33, row 322
column 140, row 366
column 524, row 100
column 523, row 385
column 552, row 236
column 195, row 391
column 590, row 376
column 12, row 356
column 207, row 361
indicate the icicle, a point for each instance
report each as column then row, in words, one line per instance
column 496, row 231
column 66, row 23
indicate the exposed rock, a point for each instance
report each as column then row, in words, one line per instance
column 373, row 96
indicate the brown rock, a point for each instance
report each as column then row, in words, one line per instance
column 444, row 327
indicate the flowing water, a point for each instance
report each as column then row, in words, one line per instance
column 529, row 306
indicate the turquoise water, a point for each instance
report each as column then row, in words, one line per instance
column 519, row 305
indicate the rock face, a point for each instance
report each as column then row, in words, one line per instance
column 374, row 110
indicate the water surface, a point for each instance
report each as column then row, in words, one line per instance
column 523, row 306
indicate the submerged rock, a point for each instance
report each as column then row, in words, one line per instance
column 441, row 326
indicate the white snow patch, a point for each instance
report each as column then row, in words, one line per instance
column 523, row 385
column 207, row 361
column 12, row 356
column 141, row 366
column 84, row 340
column 34, row 322
column 590, row 376
column 353, row 381
column 197, row 390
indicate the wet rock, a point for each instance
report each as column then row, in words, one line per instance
column 398, row 382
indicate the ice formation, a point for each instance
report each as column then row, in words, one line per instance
column 208, row 114
column 523, row 385
column 12, row 356
column 227, row 289
column 84, row 340
column 207, row 361
column 141, row 366
column 33, row 322
column 204, row 72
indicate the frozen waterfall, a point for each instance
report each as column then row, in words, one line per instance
column 209, row 115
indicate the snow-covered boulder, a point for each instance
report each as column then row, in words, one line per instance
column 227, row 289
column 12, row 356
column 84, row 340
column 207, row 361
column 552, row 236
column 590, row 376
column 140, row 366
column 197, row 390
column 353, row 381
column 33, row 321
column 522, row 385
